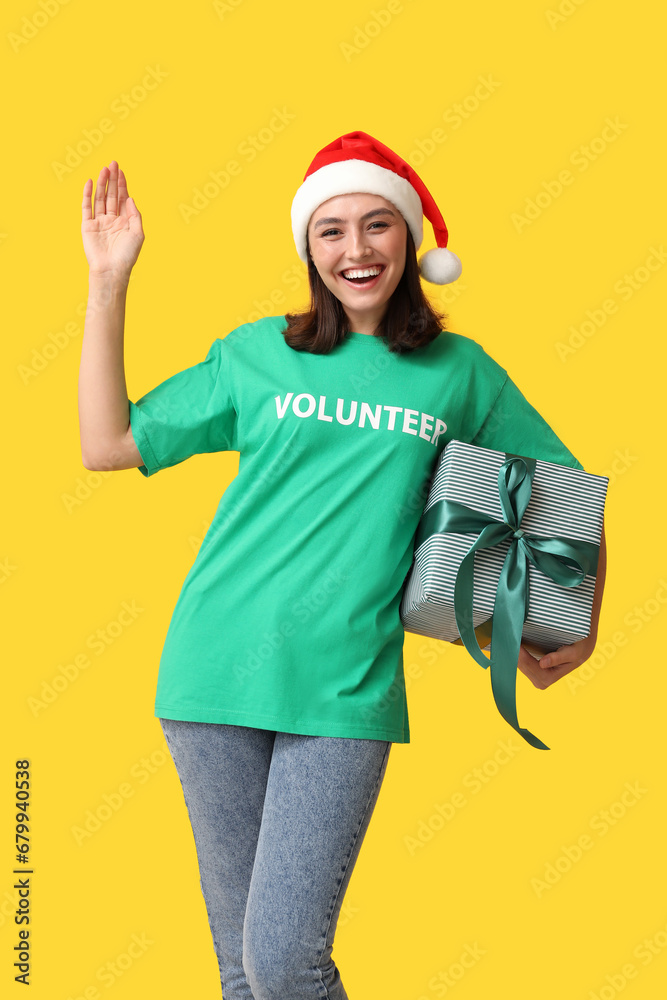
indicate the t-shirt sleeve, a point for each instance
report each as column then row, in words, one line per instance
column 514, row 425
column 190, row 413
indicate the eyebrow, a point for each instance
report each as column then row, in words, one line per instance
column 368, row 215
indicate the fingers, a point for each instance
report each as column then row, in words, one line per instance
column 100, row 200
column 553, row 674
column 86, row 210
column 543, row 675
column 529, row 666
column 555, row 658
column 135, row 214
column 126, row 204
column 112, row 190
column 110, row 199
column 122, row 193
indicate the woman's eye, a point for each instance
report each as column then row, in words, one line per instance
column 329, row 232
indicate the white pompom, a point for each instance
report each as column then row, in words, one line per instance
column 440, row 266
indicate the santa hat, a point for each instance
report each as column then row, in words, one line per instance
column 356, row 162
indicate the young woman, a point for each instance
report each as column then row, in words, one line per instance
column 281, row 687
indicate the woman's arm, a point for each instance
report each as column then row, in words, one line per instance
column 104, row 411
column 112, row 241
column 552, row 666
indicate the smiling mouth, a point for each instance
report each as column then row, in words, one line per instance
column 362, row 275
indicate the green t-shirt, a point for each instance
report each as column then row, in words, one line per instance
column 288, row 618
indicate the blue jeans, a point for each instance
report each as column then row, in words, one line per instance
column 278, row 822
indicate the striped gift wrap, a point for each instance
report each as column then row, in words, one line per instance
column 564, row 502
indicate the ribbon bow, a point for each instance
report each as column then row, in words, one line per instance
column 566, row 561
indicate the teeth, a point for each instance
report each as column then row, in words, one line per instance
column 365, row 273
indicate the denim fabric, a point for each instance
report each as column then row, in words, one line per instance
column 278, row 822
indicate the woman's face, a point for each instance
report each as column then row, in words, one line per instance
column 352, row 233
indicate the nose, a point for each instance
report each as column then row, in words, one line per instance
column 358, row 247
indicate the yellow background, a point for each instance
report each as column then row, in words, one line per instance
column 398, row 71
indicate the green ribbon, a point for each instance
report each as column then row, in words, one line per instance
column 566, row 561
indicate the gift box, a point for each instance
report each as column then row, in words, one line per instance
column 506, row 552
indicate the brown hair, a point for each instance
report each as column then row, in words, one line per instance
column 410, row 320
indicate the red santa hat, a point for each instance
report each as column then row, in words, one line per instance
column 356, row 162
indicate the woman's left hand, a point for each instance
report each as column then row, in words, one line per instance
column 552, row 666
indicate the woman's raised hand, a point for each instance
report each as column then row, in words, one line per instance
column 112, row 240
